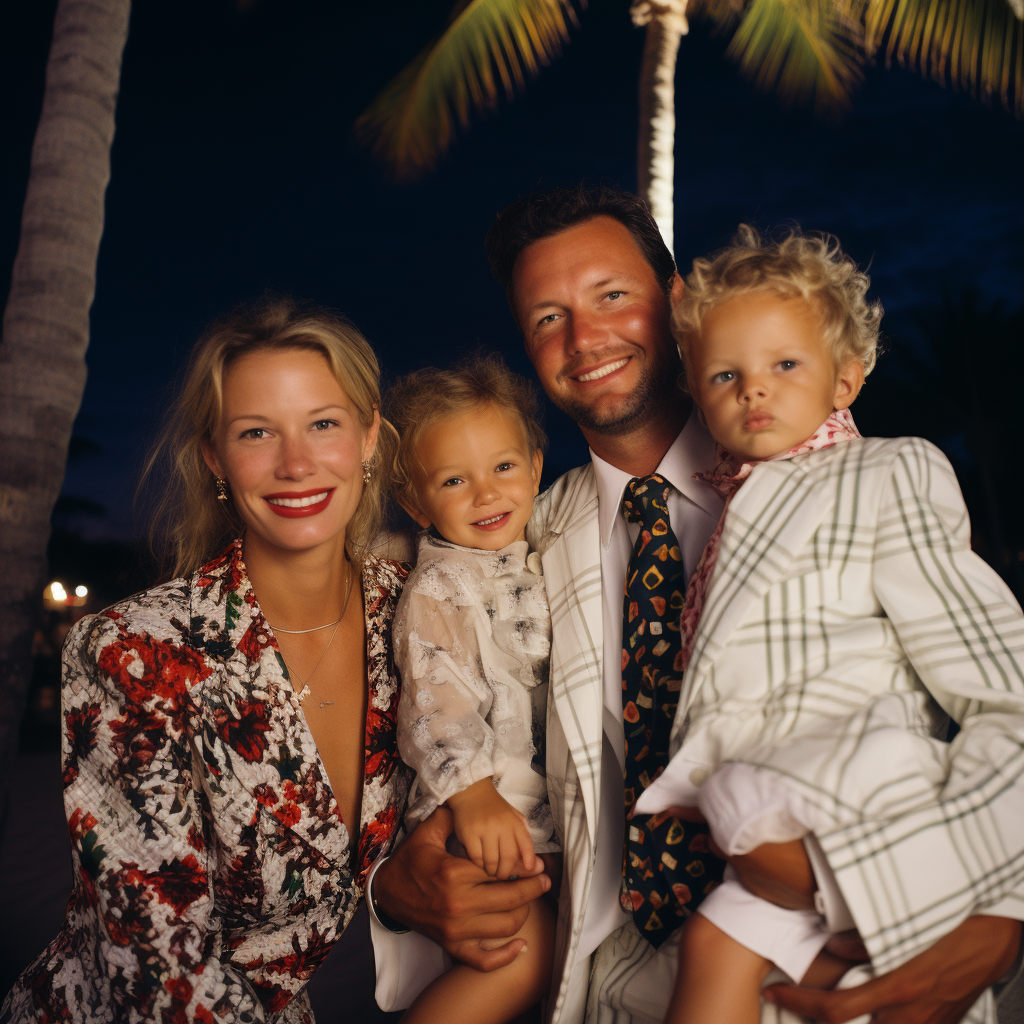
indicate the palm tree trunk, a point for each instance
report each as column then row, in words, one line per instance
column 666, row 25
column 46, row 322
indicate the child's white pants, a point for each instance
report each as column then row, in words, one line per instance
column 746, row 808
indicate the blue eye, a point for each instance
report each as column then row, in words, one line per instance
column 788, row 364
column 324, row 424
column 549, row 319
column 724, row 377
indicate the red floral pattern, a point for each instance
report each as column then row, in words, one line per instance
column 213, row 872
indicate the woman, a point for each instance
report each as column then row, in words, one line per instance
column 225, row 730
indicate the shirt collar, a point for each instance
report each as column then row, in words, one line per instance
column 693, row 451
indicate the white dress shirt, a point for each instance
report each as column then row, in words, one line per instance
column 694, row 510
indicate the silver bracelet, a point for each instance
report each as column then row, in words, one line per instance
column 379, row 915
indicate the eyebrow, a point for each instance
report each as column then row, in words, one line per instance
column 624, row 277
column 454, row 467
column 266, row 419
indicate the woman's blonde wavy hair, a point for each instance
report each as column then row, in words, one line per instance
column 190, row 524
column 812, row 266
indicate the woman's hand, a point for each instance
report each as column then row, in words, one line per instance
column 493, row 832
column 452, row 901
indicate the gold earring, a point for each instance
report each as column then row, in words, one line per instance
column 366, row 472
column 222, row 488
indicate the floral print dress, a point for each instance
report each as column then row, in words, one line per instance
column 212, row 871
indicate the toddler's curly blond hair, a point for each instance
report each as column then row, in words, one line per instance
column 812, row 266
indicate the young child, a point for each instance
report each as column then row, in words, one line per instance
column 836, row 617
column 472, row 637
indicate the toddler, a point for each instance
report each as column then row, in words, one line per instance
column 836, row 617
column 472, row 639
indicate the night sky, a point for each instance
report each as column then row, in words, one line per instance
column 235, row 172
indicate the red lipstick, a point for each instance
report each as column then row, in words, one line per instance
column 299, row 511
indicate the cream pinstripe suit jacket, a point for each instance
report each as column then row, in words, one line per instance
column 878, row 524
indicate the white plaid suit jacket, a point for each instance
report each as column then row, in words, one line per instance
column 564, row 529
column 845, row 575
column 884, row 516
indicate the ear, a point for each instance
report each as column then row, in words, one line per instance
column 676, row 289
column 413, row 509
column 849, row 381
column 210, row 457
column 538, row 465
column 370, row 444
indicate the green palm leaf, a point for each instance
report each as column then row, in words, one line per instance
column 801, row 49
column 975, row 45
column 489, row 46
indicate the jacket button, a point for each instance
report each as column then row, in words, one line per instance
column 699, row 776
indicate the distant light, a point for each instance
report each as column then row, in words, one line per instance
column 57, row 591
column 81, row 591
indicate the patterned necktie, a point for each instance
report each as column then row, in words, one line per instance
column 667, row 867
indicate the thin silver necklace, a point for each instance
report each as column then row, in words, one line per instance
column 315, row 629
column 335, row 624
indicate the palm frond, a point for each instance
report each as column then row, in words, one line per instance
column 489, row 47
column 801, row 49
column 974, row 45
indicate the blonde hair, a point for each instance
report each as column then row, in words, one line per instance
column 813, row 267
column 190, row 523
column 420, row 398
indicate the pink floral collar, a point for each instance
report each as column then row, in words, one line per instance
column 730, row 470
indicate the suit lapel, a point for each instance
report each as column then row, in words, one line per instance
column 768, row 522
column 571, row 555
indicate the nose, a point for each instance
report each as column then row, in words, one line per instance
column 295, row 461
column 486, row 494
column 753, row 388
column 584, row 331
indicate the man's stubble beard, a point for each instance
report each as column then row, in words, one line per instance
column 657, row 383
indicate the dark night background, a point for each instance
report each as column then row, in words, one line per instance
column 235, row 172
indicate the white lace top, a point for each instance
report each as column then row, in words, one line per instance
column 472, row 636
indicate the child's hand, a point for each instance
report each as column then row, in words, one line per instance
column 493, row 832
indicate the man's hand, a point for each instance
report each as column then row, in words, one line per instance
column 937, row 986
column 451, row 900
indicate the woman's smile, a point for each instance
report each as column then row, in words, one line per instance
column 296, row 504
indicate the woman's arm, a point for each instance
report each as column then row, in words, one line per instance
column 143, row 867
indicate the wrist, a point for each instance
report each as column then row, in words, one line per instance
column 381, row 916
column 476, row 792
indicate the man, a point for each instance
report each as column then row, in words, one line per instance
column 589, row 282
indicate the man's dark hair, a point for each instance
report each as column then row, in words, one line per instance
column 539, row 215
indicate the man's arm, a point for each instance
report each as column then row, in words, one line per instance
column 451, row 900
column 937, row 986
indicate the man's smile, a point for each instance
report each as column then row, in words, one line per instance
column 601, row 371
